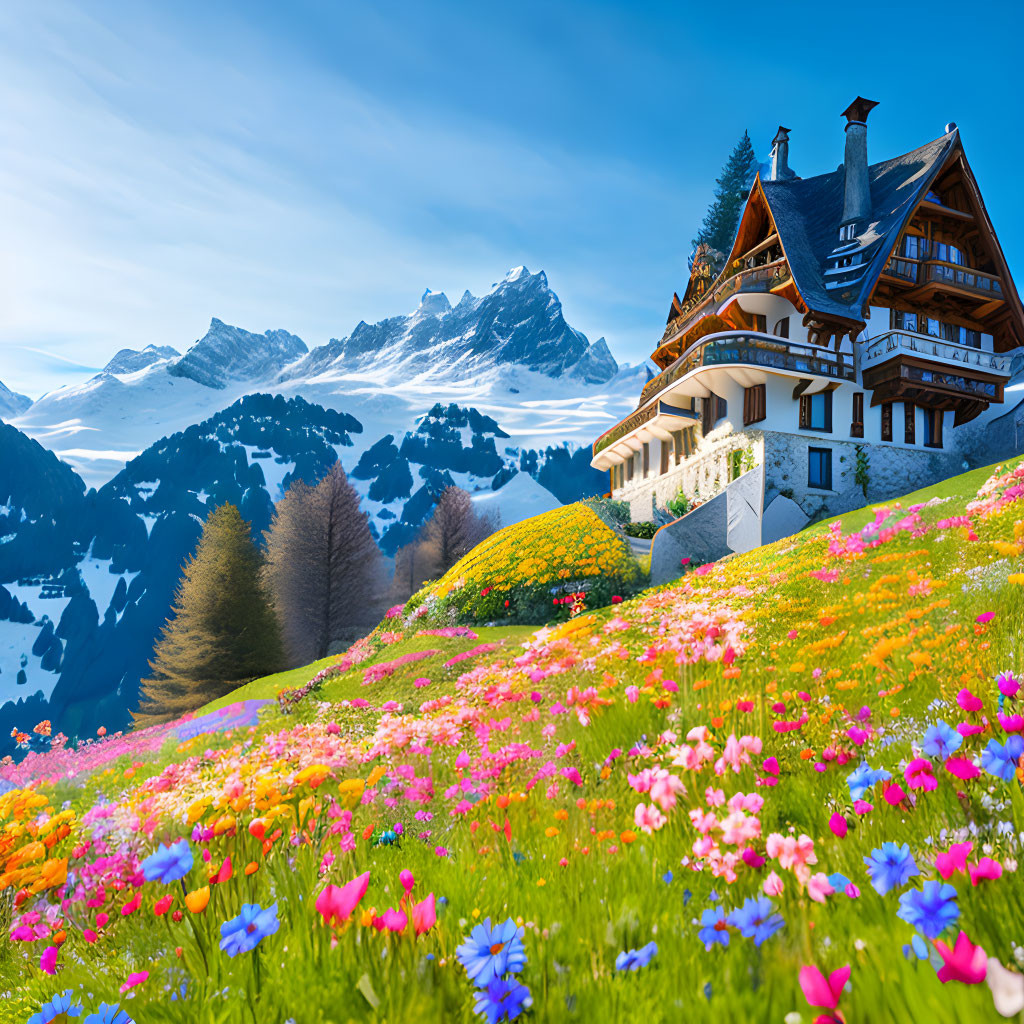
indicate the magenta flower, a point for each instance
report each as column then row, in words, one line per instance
column 968, row 701
column 336, row 903
column 424, row 915
column 821, row 991
column 962, row 768
column 955, row 860
column 918, row 774
column 838, row 825
column 137, row 978
column 965, row 962
column 48, row 961
column 986, row 869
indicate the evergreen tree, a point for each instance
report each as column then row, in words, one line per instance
column 718, row 229
column 222, row 631
column 323, row 569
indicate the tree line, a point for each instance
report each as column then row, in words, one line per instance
column 317, row 582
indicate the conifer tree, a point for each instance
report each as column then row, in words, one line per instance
column 323, row 569
column 222, row 631
column 451, row 532
column 719, row 226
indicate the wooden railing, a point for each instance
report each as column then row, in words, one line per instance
column 887, row 346
column 962, row 277
column 764, row 278
column 741, row 347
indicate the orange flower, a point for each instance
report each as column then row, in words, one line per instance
column 251, row 868
column 197, row 899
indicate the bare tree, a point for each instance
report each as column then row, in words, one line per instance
column 323, row 569
column 452, row 531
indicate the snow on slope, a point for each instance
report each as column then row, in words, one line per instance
column 11, row 403
column 521, row 498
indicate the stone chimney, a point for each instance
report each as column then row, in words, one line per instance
column 780, row 169
column 857, row 197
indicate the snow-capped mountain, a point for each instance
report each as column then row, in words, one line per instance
column 11, row 403
column 227, row 354
column 519, row 322
column 508, row 354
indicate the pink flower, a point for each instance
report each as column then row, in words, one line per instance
column 821, row 992
column 986, row 869
column 424, row 915
column 818, row 887
column 918, row 774
column 967, row 729
column 462, row 761
column 962, row 768
column 838, row 825
column 407, row 880
column 48, row 961
column 983, row 618
column 955, row 860
column 648, row 818
column 336, row 903
column 965, row 962
column 134, row 979
column 968, row 701
column 894, row 794
column 772, row 885
column 391, row 920
column 1012, row 723
column 632, row 694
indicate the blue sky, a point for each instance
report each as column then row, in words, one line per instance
column 309, row 164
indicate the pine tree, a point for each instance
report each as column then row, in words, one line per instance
column 718, row 229
column 323, row 569
column 222, row 631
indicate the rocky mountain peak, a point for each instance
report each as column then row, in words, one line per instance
column 130, row 360
column 11, row 403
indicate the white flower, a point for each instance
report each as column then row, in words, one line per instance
column 1007, row 988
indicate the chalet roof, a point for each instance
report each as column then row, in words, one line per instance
column 808, row 211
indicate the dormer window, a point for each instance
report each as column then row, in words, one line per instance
column 847, row 232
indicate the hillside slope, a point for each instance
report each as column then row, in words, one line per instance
column 684, row 804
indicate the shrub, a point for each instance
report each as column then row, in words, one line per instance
column 642, row 530
column 525, row 572
column 613, row 513
column 679, row 505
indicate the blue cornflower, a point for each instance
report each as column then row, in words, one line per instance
column 713, row 928
column 890, row 866
column 1000, row 759
column 108, row 1015
column 838, row 881
column 59, row 1005
column 169, row 863
column 756, row 919
column 502, row 998
column 244, row 933
column 667, row 877
column 863, row 777
column 490, row 952
column 930, row 909
column 941, row 739
column 916, row 948
column 634, row 959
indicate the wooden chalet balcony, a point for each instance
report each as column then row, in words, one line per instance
column 766, row 277
column 934, row 350
column 743, row 348
column 937, row 275
column 935, row 374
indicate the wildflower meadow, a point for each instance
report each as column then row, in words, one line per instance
column 786, row 787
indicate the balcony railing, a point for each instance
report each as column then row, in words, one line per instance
column 753, row 350
column 764, row 278
column 941, row 272
column 961, row 277
column 894, row 343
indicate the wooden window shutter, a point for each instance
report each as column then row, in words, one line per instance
column 664, row 455
column 721, row 408
column 805, row 412
column 887, row 421
column 909, row 418
column 857, row 421
column 647, row 458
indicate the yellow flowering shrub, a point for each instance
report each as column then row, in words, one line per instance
column 542, row 568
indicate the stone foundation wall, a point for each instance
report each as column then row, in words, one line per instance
column 891, row 471
column 704, row 474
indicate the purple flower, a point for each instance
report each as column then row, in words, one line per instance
column 503, row 998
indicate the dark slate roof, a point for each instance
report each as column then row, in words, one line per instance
column 808, row 211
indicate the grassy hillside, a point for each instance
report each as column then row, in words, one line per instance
column 795, row 761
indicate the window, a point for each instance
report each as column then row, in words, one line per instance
column 677, row 445
column 948, row 254
column 819, row 468
column 816, row 411
column 759, row 323
column 846, row 232
column 904, row 321
column 712, row 409
column 857, row 420
column 914, row 247
column 629, row 467
column 721, row 408
column 909, row 419
column 965, row 336
column 782, row 328
column 666, row 447
column 933, row 428
column 753, row 404
column 647, row 458
column 887, row 421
